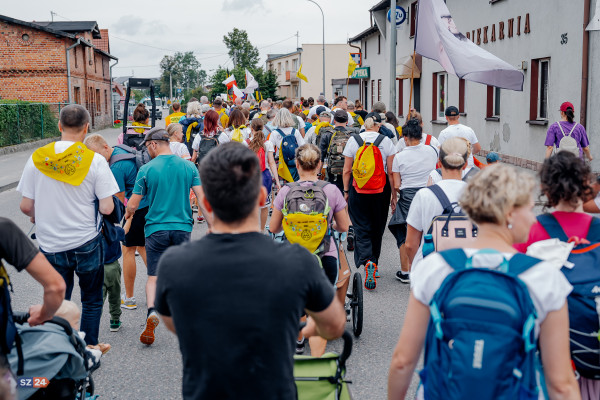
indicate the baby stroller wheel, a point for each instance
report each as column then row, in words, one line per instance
column 356, row 304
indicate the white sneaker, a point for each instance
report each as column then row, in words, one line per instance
column 128, row 303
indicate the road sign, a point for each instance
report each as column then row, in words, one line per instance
column 400, row 15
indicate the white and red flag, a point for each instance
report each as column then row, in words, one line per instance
column 230, row 82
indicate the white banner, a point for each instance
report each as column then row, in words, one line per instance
column 251, row 84
column 439, row 39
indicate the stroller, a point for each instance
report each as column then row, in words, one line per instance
column 56, row 352
column 322, row 378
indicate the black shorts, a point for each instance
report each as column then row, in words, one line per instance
column 135, row 237
column 337, row 180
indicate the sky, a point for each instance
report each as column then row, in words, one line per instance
column 200, row 25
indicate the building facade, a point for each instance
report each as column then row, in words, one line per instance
column 550, row 48
column 310, row 56
column 57, row 62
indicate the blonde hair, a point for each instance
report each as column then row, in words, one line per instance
column 494, row 192
column 369, row 123
column 95, row 142
column 454, row 153
column 284, row 119
column 174, row 127
column 308, row 157
column 414, row 114
column 194, row 109
column 69, row 311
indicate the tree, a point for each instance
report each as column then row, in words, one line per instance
column 241, row 51
column 184, row 70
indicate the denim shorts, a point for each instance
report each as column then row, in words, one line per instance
column 158, row 242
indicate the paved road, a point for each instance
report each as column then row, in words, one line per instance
column 133, row 371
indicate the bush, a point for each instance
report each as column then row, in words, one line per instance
column 23, row 121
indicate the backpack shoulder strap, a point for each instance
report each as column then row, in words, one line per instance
column 455, row 258
column 520, row 263
column 594, row 231
column 126, row 148
column 379, row 140
column 428, row 140
column 560, row 127
column 574, row 126
column 321, row 184
column 358, row 139
column 552, row 227
column 280, row 132
column 441, row 196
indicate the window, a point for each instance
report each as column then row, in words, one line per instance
column 461, row 96
column 400, row 96
column 413, row 19
column 379, row 44
column 378, row 89
column 278, row 68
column 105, row 100
column 372, row 92
column 98, row 104
column 295, row 64
column 440, row 95
column 77, row 95
column 296, row 91
column 95, row 64
column 287, row 66
column 493, row 103
column 365, row 49
column 538, row 97
column 103, row 70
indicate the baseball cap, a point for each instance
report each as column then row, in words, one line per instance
column 320, row 109
column 451, row 111
column 379, row 106
column 325, row 114
column 566, row 105
column 156, row 134
column 492, row 157
column 340, row 116
column 376, row 117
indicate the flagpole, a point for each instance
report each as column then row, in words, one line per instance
column 414, row 62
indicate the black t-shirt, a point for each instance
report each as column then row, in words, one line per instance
column 362, row 113
column 236, row 302
column 15, row 247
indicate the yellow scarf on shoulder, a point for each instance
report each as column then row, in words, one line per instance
column 139, row 130
column 321, row 125
column 71, row 166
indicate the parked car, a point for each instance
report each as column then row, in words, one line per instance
column 158, row 102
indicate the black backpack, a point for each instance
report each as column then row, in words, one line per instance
column 205, row 146
column 141, row 156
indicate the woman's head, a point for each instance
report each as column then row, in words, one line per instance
column 414, row 114
column 211, row 121
column 565, row 179
column 140, row 114
column 373, row 122
column 358, row 105
column 194, row 109
column 175, row 132
column 390, row 118
column 412, row 130
column 501, row 195
column 236, row 119
column 454, row 153
column 308, row 157
column 284, row 119
column 567, row 110
column 258, row 136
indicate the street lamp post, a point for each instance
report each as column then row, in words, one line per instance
column 312, row 1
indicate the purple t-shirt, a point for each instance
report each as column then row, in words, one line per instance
column 336, row 203
column 554, row 135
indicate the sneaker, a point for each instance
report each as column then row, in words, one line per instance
column 300, row 346
column 350, row 245
column 348, row 310
column 403, row 277
column 201, row 220
column 370, row 281
column 194, row 208
column 147, row 336
column 377, row 274
column 115, row 325
column 128, row 303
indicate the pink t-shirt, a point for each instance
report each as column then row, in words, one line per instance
column 574, row 224
column 336, row 203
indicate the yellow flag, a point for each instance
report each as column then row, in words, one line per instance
column 351, row 66
column 283, row 169
column 300, row 75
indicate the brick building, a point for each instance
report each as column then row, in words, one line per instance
column 57, row 62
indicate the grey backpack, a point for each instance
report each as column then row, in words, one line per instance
column 140, row 157
column 568, row 143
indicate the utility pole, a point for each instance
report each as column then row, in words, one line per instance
column 392, row 40
column 323, row 15
column 171, row 84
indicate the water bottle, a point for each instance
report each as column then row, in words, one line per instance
column 428, row 246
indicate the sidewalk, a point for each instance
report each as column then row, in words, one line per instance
column 12, row 164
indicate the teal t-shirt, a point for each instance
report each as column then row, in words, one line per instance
column 166, row 182
column 125, row 172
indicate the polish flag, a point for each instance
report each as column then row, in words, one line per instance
column 237, row 92
column 230, row 82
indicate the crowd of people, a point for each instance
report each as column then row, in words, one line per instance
column 493, row 321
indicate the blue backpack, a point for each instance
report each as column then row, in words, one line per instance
column 289, row 144
column 480, row 342
column 584, row 300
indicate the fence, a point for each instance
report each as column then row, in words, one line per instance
column 22, row 122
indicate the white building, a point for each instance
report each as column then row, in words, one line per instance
column 544, row 38
column 311, row 58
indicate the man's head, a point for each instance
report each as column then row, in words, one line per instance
column 271, row 114
column 265, row 105
column 238, row 101
column 218, row 103
column 157, row 142
column 287, row 103
column 350, row 107
column 232, row 183
column 97, row 144
column 340, row 117
column 74, row 120
column 379, row 107
column 452, row 115
column 325, row 116
column 176, row 107
column 321, row 99
column 341, row 102
column 203, row 100
column 193, row 99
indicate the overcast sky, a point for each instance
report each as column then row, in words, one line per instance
column 200, row 25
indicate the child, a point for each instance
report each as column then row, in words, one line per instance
column 70, row 312
column 492, row 158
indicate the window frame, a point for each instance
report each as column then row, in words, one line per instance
column 462, row 97
column 542, row 62
column 440, row 113
column 535, row 91
column 372, row 92
column 378, row 89
column 413, row 19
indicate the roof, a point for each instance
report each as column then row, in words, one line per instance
column 364, row 34
column 102, row 43
column 72, row 26
column 276, row 56
column 122, row 79
column 382, row 5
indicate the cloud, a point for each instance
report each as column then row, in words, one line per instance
column 242, row 5
column 128, row 24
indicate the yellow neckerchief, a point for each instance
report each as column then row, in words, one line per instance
column 71, row 166
column 399, row 130
column 139, row 130
column 321, row 125
column 306, row 112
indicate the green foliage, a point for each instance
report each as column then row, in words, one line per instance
column 241, row 51
column 138, row 95
column 23, row 121
column 185, row 71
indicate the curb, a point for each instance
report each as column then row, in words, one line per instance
column 26, row 146
column 8, row 187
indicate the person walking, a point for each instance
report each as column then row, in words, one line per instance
column 411, row 169
column 426, row 139
column 284, row 123
column 64, row 185
column 256, row 315
column 567, row 134
column 175, row 116
column 368, row 208
column 236, row 130
column 456, row 129
column 178, row 148
column 141, row 119
column 166, row 182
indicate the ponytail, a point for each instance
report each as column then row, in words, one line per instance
column 570, row 114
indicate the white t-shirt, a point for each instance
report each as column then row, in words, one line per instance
column 313, row 110
column 459, row 130
column 276, row 137
column 180, row 149
column 547, row 286
column 426, row 206
column 65, row 215
column 350, row 119
column 401, row 145
column 435, row 177
column 225, row 137
column 386, row 147
column 198, row 138
column 414, row 165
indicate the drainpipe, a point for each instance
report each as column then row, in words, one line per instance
column 585, row 63
column 112, row 104
column 78, row 42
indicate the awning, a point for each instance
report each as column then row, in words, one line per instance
column 405, row 65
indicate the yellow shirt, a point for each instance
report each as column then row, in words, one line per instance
column 223, row 117
column 175, row 117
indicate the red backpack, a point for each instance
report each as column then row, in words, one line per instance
column 261, row 156
column 368, row 170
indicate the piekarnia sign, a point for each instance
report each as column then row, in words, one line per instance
column 361, row 73
column 487, row 34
